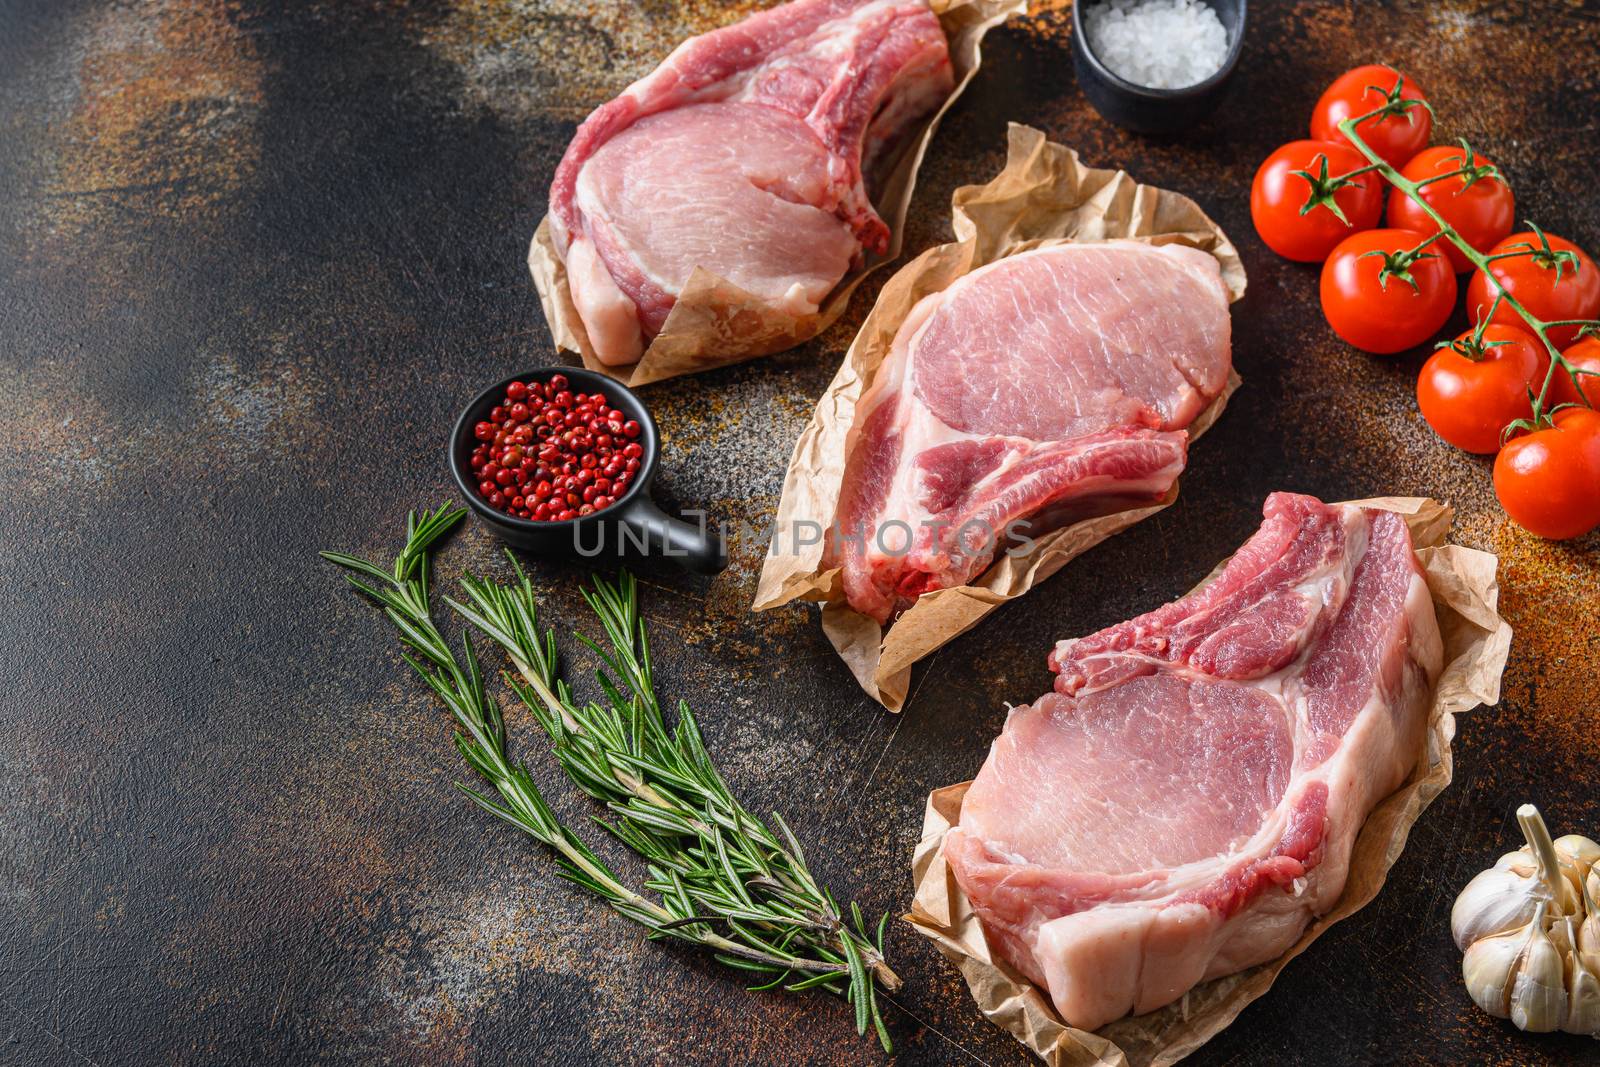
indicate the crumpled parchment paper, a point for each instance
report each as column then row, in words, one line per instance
column 1476, row 642
column 714, row 322
column 1044, row 195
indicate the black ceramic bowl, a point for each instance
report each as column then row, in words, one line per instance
column 633, row 525
column 1157, row 111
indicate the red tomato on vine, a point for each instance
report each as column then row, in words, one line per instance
column 1472, row 388
column 1548, row 480
column 1398, row 134
column 1382, row 297
column 1585, row 358
column 1551, row 277
column 1477, row 204
column 1302, row 204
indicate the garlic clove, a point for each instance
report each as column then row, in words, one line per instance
column 1539, row 987
column 1587, row 936
column 1578, row 851
column 1583, row 992
column 1578, row 856
column 1489, row 969
column 1521, row 862
column 1583, row 986
column 1497, row 900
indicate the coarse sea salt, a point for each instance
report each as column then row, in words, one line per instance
column 1160, row 44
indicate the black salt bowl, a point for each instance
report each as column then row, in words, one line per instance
column 1155, row 111
column 633, row 525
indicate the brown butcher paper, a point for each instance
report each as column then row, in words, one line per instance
column 714, row 322
column 1476, row 641
column 1043, row 196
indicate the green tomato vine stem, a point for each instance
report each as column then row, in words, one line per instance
column 1446, row 176
column 1478, row 259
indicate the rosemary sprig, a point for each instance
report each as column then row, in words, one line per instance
column 673, row 806
column 721, row 879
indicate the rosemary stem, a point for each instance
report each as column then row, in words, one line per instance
column 631, row 782
column 880, row 967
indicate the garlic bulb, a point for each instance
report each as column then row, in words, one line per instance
column 1504, row 897
column 1530, row 930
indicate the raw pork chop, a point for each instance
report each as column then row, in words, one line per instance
column 1186, row 801
column 1043, row 387
column 744, row 154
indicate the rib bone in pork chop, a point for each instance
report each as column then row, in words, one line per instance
column 1044, row 387
column 1187, row 800
column 744, row 154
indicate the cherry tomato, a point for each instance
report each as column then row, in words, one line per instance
column 1532, row 280
column 1482, row 212
column 1585, row 355
column 1549, row 480
column 1278, row 195
column 1386, row 314
column 1472, row 390
column 1394, row 137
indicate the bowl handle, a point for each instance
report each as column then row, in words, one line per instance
column 694, row 548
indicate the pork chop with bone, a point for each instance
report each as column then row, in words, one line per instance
column 749, row 153
column 1187, row 801
column 1045, row 387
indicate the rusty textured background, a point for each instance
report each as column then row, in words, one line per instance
column 254, row 256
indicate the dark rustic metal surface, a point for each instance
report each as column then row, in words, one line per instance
column 255, row 255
